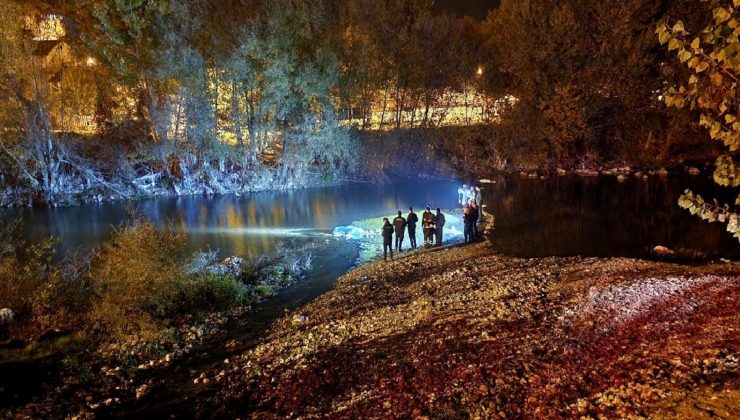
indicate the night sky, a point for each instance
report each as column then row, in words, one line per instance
column 476, row 8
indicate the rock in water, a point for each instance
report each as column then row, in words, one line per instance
column 662, row 250
column 6, row 316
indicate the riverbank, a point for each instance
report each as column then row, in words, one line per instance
column 92, row 331
column 463, row 331
column 80, row 190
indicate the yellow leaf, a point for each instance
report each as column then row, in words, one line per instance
column 678, row 27
column 674, row 44
column 695, row 44
column 717, row 79
column 663, row 37
column 684, row 55
column 702, row 66
column 721, row 15
column 729, row 119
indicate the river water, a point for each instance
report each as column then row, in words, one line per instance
column 561, row 216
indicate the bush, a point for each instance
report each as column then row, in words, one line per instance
column 212, row 292
column 265, row 290
column 137, row 283
column 42, row 293
column 145, row 278
column 136, row 275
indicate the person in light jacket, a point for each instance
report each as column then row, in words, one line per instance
column 427, row 223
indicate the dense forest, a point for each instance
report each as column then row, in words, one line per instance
column 117, row 99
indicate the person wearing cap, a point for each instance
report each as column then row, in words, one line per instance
column 427, row 223
column 399, row 225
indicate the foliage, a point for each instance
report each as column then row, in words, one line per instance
column 712, row 90
column 136, row 274
column 584, row 70
column 210, row 292
column 42, row 293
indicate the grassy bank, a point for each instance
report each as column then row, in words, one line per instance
column 93, row 324
column 464, row 332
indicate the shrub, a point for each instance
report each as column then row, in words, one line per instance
column 136, row 275
column 43, row 294
column 265, row 290
column 211, row 292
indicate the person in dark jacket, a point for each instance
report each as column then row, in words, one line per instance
column 474, row 212
column 411, row 221
column 387, row 239
column 399, row 225
column 427, row 223
column 468, row 224
column 438, row 226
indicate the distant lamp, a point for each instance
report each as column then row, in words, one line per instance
column 91, row 61
column 479, row 72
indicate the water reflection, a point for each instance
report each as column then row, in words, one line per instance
column 601, row 216
column 555, row 216
column 249, row 225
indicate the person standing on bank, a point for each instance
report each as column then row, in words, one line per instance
column 468, row 224
column 439, row 226
column 462, row 193
column 427, row 223
column 387, row 231
column 399, row 225
column 474, row 210
column 411, row 221
column 479, row 200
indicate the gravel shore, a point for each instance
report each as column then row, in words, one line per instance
column 464, row 332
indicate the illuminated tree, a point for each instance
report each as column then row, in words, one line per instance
column 712, row 89
column 31, row 148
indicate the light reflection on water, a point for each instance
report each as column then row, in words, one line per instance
column 556, row 216
column 249, row 225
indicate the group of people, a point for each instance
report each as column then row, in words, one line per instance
column 470, row 198
column 465, row 194
column 432, row 226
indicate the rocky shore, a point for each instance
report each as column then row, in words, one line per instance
column 450, row 332
column 463, row 332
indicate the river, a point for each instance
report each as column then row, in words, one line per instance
column 562, row 216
